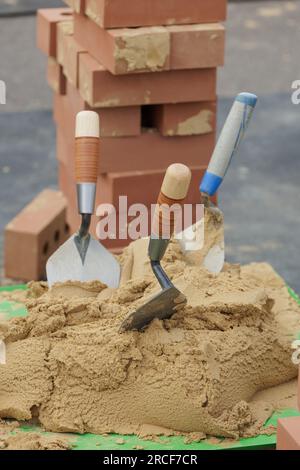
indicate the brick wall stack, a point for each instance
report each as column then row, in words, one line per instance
column 149, row 69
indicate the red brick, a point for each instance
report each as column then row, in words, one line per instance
column 102, row 89
column 185, row 118
column 141, row 187
column 149, row 152
column 112, row 14
column 114, row 122
column 55, row 76
column 47, row 20
column 33, row 235
column 288, row 433
column 76, row 5
column 64, row 29
column 150, row 49
column 197, row 46
column 71, row 53
column 124, row 51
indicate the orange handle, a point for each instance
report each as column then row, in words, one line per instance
column 87, row 147
column 87, row 153
column 171, row 198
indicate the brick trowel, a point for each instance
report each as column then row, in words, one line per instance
column 172, row 196
column 82, row 258
column 204, row 241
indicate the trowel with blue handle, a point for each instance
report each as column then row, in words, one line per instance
column 204, row 241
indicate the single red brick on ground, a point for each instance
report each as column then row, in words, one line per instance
column 33, row 235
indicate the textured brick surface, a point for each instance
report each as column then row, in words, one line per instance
column 55, row 77
column 141, row 187
column 71, row 52
column 123, row 51
column 77, row 5
column 150, row 49
column 185, row 118
column 112, row 14
column 114, row 122
column 288, row 433
column 64, row 29
column 102, row 89
column 149, row 152
column 33, row 235
column 197, row 46
column 47, row 20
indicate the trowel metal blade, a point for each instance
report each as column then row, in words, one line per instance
column 99, row 264
column 161, row 306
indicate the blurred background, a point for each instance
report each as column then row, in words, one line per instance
column 260, row 195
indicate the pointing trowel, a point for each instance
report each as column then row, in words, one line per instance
column 204, row 241
column 82, row 258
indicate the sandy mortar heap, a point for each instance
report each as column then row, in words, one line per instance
column 68, row 365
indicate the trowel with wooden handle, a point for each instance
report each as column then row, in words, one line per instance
column 204, row 241
column 82, row 258
column 163, row 305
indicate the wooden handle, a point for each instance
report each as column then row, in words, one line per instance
column 87, row 147
column 173, row 191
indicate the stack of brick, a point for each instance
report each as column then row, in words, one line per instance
column 149, row 70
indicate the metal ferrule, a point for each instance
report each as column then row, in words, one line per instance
column 86, row 197
column 160, row 275
column 157, row 248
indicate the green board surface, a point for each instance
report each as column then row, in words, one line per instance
column 124, row 442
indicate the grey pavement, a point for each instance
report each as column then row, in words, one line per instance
column 17, row 7
column 260, row 196
column 262, row 50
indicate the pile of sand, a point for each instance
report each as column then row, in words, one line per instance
column 33, row 441
column 68, row 365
